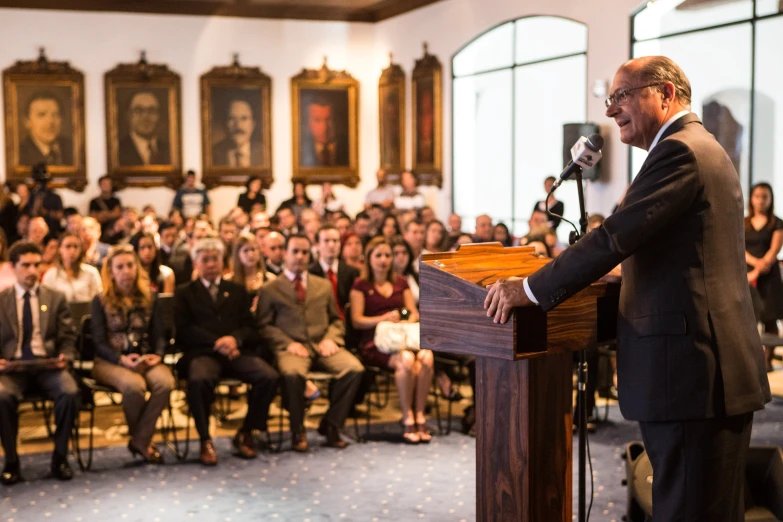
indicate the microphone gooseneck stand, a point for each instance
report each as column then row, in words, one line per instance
column 581, row 373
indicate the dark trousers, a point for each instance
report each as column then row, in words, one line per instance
column 204, row 373
column 343, row 364
column 698, row 468
column 56, row 385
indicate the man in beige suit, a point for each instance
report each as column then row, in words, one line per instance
column 298, row 317
column 35, row 323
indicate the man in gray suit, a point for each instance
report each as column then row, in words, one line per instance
column 298, row 317
column 690, row 366
column 35, row 322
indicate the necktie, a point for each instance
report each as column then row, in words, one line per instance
column 238, row 158
column 326, row 157
column 333, row 279
column 301, row 292
column 153, row 153
column 27, row 328
column 54, row 157
column 213, row 291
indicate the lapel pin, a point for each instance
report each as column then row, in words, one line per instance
column 44, row 308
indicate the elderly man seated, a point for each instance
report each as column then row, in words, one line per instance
column 299, row 319
column 219, row 336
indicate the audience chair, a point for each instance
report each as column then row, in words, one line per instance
column 458, row 374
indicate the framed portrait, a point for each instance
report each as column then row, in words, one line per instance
column 44, row 121
column 428, row 120
column 391, row 117
column 325, row 124
column 143, row 140
column 236, row 123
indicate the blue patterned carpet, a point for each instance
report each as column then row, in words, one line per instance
column 377, row 481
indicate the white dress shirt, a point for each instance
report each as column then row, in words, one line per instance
column 143, row 147
column 81, row 288
column 36, row 342
column 291, row 276
column 243, row 160
column 326, row 266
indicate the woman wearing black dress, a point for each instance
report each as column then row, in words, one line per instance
column 252, row 196
column 763, row 239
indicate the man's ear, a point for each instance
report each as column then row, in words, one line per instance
column 668, row 92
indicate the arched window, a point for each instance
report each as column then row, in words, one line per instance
column 513, row 88
column 730, row 51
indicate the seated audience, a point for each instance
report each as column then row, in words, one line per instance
column 351, row 251
column 409, row 198
column 454, row 226
column 167, row 233
column 414, row 235
column 296, row 203
column 274, row 252
column 129, row 348
column 361, row 226
column 310, row 222
column 435, row 237
column 299, row 320
column 73, row 221
column 7, row 274
column 160, row 277
column 287, row 221
column 462, row 239
column 376, row 214
column 106, row 207
column 248, row 267
column 483, row 232
column 21, row 196
column 218, row 334
column 37, row 232
column 382, row 195
column 389, row 228
column 252, row 199
column 94, row 250
column 182, row 261
column 382, row 295
column 340, row 274
column 70, row 275
column 402, row 257
column 427, row 215
column 49, row 254
column 501, row 234
column 227, row 231
column 328, row 202
column 343, row 224
column 22, row 306
column 404, row 217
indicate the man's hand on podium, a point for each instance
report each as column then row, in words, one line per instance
column 504, row 295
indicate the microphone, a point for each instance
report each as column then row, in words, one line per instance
column 585, row 154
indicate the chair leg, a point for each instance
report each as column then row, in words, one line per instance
column 435, row 392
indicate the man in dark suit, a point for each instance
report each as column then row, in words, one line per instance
column 690, row 364
column 298, row 317
column 340, row 274
column 35, row 322
column 142, row 145
column 274, row 251
column 219, row 336
column 238, row 149
column 44, row 142
column 320, row 146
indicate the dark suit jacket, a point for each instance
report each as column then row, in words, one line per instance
column 221, row 149
column 129, row 155
column 284, row 320
column 688, row 347
column 200, row 322
column 56, row 323
column 346, row 275
column 29, row 154
column 309, row 158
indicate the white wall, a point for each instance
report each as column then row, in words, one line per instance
column 190, row 45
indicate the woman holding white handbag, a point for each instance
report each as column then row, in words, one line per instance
column 378, row 299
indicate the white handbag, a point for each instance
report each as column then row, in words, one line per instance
column 392, row 337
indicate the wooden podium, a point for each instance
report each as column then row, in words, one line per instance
column 523, row 376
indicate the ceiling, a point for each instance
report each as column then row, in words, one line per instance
column 345, row 10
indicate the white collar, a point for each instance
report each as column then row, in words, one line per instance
column 291, row 276
column 325, row 266
column 666, row 126
column 20, row 290
column 207, row 284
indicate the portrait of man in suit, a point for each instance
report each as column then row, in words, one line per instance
column 146, row 120
column 425, row 122
column 236, row 129
column 44, row 126
column 323, row 128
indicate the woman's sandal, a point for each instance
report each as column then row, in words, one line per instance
column 425, row 435
column 410, row 434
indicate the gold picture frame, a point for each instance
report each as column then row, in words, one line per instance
column 427, row 120
column 236, row 125
column 391, row 118
column 143, row 122
column 325, row 127
column 44, row 121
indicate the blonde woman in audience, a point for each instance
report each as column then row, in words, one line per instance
column 129, row 347
column 247, row 265
column 7, row 273
column 77, row 280
column 351, row 251
column 381, row 295
column 161, row 277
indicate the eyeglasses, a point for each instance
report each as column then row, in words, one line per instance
column 620, row 97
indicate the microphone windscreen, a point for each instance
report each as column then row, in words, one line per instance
column 595, row 142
